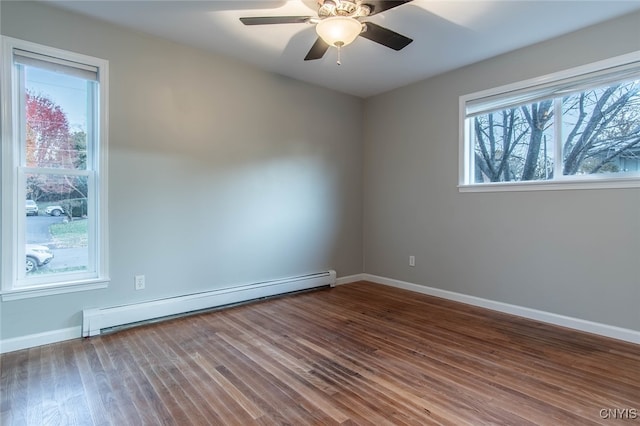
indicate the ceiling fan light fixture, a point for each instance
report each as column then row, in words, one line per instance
column 339, row 30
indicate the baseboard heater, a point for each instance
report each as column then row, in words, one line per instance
column 97, row 319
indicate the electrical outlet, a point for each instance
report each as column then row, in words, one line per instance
column 412, row 261
column 139, row 282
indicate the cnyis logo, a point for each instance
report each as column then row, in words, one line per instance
column 620, row 413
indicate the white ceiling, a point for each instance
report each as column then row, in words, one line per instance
column 447, row 34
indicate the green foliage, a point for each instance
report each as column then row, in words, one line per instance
column 75, row 207
column 70, row 234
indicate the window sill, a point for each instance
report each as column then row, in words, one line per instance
column 591, row 183
column 50, row 290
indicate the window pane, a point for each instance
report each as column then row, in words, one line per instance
column 57, row 231
column 601, row 129
column 514, row 144
column 58, row 114
column 54, row 170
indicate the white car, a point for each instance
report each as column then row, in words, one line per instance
column 37, row 256
column 54, row 210
column 32, row 208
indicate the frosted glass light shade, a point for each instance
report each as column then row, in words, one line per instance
column 338, row 30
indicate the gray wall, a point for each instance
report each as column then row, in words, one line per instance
column 574, row 253
column 220, row 174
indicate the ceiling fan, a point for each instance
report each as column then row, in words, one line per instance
column 340, row 22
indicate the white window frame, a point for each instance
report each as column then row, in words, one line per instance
column 12, row 215
column 560, row 182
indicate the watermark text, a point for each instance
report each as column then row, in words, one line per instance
column 620, row 413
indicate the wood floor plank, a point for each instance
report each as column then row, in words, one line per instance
column 200, row 391
column 70, row 396
column 150, row 404
column 257, row 384
column 134, row 384
column 34, row 386
column 361, row 354
column 97, row 409
column 108, row 380
column 13, row 400
column 313, row 401
column 160, row 373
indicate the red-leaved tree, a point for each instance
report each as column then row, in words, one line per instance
column 48, row 141
column 49, row 144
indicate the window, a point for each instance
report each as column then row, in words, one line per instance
column 54, row 165
column 575, row 129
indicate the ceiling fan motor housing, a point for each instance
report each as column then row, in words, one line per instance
column 349, row 8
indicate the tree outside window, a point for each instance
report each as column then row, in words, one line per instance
column 598, row 132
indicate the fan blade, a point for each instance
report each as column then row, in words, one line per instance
column 317, row 51
column 378, row 6
column 385, row 36
column 268, row 20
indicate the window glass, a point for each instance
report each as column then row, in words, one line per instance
column 57, row 118
column 60, row 225
column 57, row 115
column 576, row 132
column 53, row 171
column 514, row 144
column 601, row 129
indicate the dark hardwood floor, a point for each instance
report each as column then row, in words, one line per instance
column 357, row 354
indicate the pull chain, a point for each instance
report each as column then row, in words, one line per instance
column 339, row 46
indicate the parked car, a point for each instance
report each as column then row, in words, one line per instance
column 32, row 208
column 37, row 256
column 54, row 210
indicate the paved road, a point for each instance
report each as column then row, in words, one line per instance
column 69, row 257
column 38, row 228
column 38, row 233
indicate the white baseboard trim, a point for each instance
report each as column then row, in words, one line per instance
column 614, row 332
column 39, row 339
column 350, row 279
